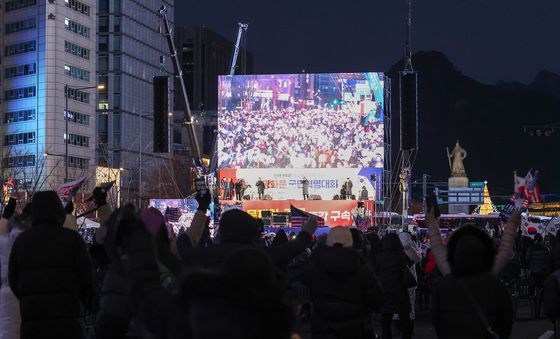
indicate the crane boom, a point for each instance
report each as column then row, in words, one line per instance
column 242, row 28
column 195, row 148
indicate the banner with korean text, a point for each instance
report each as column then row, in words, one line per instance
column 335, row 212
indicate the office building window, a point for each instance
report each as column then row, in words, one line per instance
column 19, row 139
column 78, row 95
column 19, row 161
column 76, row 28
column 75, row 162
column 19, row 116
column 76, row 117
column 78, row 6
column 19, row 26
column 20, row 48
column 21, row 70
column 76, row 50
column 17, row 4
column 78, row 140
column 76, row 72
column 19, row 93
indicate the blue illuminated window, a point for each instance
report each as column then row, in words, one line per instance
column 21, row 70
column 19, row 93
column 19, row 116
column 19, row 26
column 20, row 48
column 17, row 4
column 19, row 139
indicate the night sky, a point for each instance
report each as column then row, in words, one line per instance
column 489, row 40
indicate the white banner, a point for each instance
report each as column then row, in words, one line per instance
column 286, row 183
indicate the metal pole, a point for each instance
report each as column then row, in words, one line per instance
column 424, row 188
column 140, row 162
column 66, row 135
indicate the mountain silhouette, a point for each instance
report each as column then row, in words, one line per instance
column 487, row 120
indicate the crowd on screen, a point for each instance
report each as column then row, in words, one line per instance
column 288, row 138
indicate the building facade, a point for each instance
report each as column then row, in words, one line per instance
column 47, row 53
column 204, row 56
column 132, row 49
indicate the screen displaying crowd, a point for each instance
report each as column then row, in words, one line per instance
column 273, row 126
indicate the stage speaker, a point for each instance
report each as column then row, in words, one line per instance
column 409, row 110
column 161, row 114
column 314, row 197
column 280, row 219
column 266, row 214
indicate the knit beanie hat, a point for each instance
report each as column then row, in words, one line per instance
column 339, row 235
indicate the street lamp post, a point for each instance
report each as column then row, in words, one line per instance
column 66, row 90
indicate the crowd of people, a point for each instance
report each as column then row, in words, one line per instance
column 138, row 279
column 294, row 138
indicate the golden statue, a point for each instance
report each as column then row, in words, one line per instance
column 456, row 165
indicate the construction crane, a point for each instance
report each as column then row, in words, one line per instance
column 189, row 120
column 242, row 28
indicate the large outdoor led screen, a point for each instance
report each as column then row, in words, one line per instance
column 301, row 121
column 308, row 123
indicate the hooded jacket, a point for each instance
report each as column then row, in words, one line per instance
column 471, row 254
column 344, row 291
column 50, row 273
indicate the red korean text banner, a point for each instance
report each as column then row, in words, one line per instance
column 335, row 212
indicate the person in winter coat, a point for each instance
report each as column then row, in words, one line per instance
column 115, row 312
column 239, row 229
column 505, row 249
column 50, row 273
column 471, row 286
column 390, row 264
column 413, row 254
column 9, row 305
column 538, row 261
column 343, row 288
column 241, row 300
column 551, row 298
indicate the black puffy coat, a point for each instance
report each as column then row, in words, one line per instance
column 389, row 266
column 242, row 301
column 344, row 291
column 551, row 296
column 50, row 273
column 471, row 255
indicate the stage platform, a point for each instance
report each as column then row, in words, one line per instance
column 274, row 212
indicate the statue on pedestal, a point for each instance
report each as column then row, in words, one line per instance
column 456, row 158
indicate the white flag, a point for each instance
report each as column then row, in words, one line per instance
column 553, row 225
